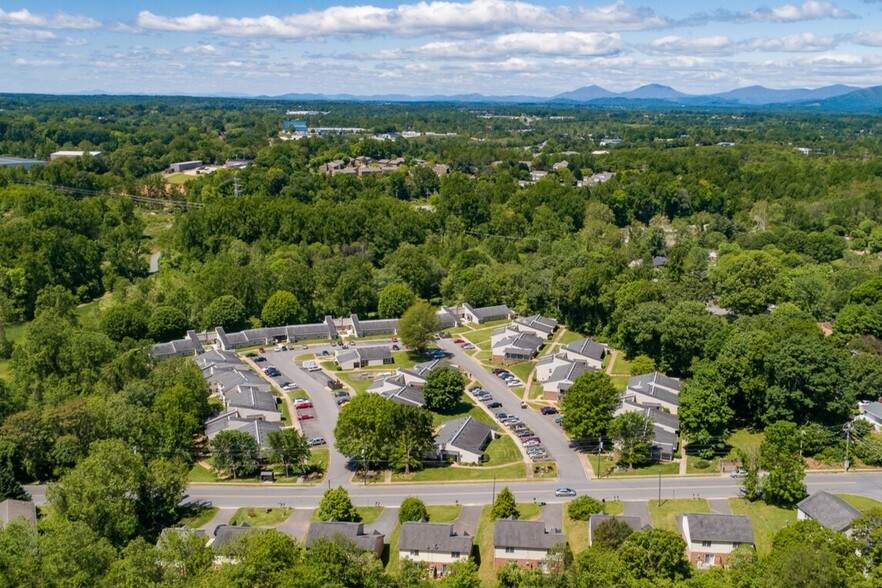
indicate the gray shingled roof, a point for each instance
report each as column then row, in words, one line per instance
column 521, row 341
column 464, row 433
column 525, row 534
column 719, row 528
column 486, row 312
column 225, row 535
column 587, row 347
column 433, row 537
column 11, row 509
column 408, row 395
column 660, row 417
column 538, row 322
column 569, row 372
column 251, row 397
column 373, row 353
column 830, row 511
column 873, row 408
column 658, row 385
column 352, row 531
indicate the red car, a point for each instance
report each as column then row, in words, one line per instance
column 305, row 417
column 303, row 405
column 458, row 341
column 524, row 440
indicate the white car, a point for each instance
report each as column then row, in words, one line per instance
column 289, row 386
column 514, row 384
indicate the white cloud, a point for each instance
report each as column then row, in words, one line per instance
column 22, row 62
column 59, row 20
column 8, row 36
column 809, row 10
column 411, row 20
column 672, row 44
column 868, row 38
column 800, row 43
column 568, row 43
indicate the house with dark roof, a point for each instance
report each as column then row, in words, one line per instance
column 830, row 511
column 526, row 543
column 20, row 510
column 409, row 395
column 189, row 345
column 251, row 401
column 654, row 389
column 538, row 325
column 463, row 440
column 335, row 530
column 360, row 328
column 484, row 314
column 710, row 538
column 871, row 412
column 560, row 380
column 586, row 350
column 447, row 318
column 362, row 357
column 665, row 427
column 219, row 360
column 595, row 521
column 509, row 345
column 227, row 380
column 258, row 428
column 225, row 536
column 437, row 545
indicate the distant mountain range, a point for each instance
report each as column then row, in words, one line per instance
column 836, row 98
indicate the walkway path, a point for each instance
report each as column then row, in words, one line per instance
column 638, row 508
column 298, row 523
column 154, row 262
column 684, row 459
column 387, row 521
column 222, row 517
column 552, row 515
column 468, row 519
column 720, row 506
column 613, row 355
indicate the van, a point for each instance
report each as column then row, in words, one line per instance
column 314, row 368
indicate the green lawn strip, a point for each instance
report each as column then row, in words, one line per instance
column 304, row 357
column 484, row 543
column 286, row 414
column 570, row 337
column 195, row 517
column 502, row 450
column 408, row 359
column 665, row 516
column 536, row 391
column 261, row 517
column 608, row 464
column 530, row 511
column 329, row 366
column 861, row 503
column 693, row 461
column 766, row 520
column 179, row 178
column 15, row 332
column 463, row 408
column 744, row 439
column 201, row 474
column 89, row 314
column 620, row 382
column 359, row 385
column 483, row 356
column 515, row 471
column 369, row 514
column 392, row 540
column 614, row 507
column 577, row 534
column 622, row 366
column 480, row 337
column 522, row 370
column 320, row 457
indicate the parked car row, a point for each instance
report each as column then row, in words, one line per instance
column 509, row 378
column 527, row 437
column 484, row 396
column 272, row 371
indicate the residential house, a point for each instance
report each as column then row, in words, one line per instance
column 666, row 428
column 361, row 328
column 830, row 511
column 222, row 380
column 447, row 318
column 225, row 536
column 595, row 520
column 251, row 401
column 435, row 544
column 219, row 361
column 335, row 530
column 526, row 543
column 258, row 428
column 362, row 357
column 72, row 154
column 21, row 510
column 538, row 325
column 484, row 314
column 656, row 390
column 586, row 350
column 710, row 538
column 509, row 345
column 463, row 440
column 871, row 412
column 560, row 380
column 547, row 364
column 189, row 345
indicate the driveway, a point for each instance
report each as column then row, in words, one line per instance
column 553, row 437
column 386, row 523
column 297, row 524
column 552, row 515
column 467, row 522
column 638, row 508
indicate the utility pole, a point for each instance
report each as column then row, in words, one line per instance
column 236, row 185
column 494, row 490
column 847, row 443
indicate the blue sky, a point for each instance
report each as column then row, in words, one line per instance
column 536, row 47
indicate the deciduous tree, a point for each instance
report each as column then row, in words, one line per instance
column 505, row 506
column 632, row 433
column 589, row 405
column 417, row 325
column 235, row 452
column 443, row 389
column 288, row 447
column 335, row 504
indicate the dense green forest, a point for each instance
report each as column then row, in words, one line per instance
column 773, row 240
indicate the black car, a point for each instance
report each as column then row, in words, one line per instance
column 494, row 404
column 259, row 359
column 251, row 354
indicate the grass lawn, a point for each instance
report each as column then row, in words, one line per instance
column 320, row 457
column 767, row 520
column 535, row 391
column 664, row 516
column 200, row 474
column 692, row 469
column 577, row 534
column 408, row 359
column 483, row 356
column 484, row 543
column 861, row 503
column 481, row 337
column 744, row 439
column 15, row 332
column 304, row 357
column 261, row 517
column 179, row 178
column 622, row 366
column 530, row 511
column 570, row 337
column 515, row 471
column 286, row 414
column 369, row 514
column 502, row 450
column 620, row 382
column 522, row 370
column 90, row 314
column 463, row 408
column 195, row 517
column 357, row 384
column 607, row 465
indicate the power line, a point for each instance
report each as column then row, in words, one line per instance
column 182, row 204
